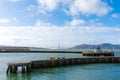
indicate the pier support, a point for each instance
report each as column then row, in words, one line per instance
column 13, row 67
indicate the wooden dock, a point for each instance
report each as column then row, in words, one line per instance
column 98, row 54
column 27, row 66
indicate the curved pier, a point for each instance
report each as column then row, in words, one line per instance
column 27, row 66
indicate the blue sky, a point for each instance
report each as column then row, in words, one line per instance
column 47, row 23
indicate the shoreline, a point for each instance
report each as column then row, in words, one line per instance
column 45, row 51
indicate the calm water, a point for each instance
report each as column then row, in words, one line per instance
column 78, row 72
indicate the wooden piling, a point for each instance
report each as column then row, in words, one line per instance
column 23, row 69
column 13, row 66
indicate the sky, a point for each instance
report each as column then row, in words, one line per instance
column 49, row 23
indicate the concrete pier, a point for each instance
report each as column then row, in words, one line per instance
column 13, row 66
column 27, row 66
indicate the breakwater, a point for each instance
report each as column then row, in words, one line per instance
column 56, row 51
column 43, row 51
column 29, row 50
column 36, row 64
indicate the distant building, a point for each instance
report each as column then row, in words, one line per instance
column 13, row 49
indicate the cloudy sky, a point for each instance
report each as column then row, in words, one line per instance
column 47, row 23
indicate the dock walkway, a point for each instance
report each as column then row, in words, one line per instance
column 27, row 66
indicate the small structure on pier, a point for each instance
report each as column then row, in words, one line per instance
column 98, row 52
column 13, row 66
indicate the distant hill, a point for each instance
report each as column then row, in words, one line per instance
column 103, row 46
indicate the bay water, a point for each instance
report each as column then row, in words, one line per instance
column 76, row 72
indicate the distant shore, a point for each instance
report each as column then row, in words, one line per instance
column 44, row 51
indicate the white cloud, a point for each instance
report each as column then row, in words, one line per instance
column 14, row 0
column 47, row 5
column 50, row 36
column 4, row 20
column 95, row 22
column 75, row 7
column 88, row 7
column 14, row 19
column 7, row 20
column 76, row 22
column 115, row 15
column 40, row 23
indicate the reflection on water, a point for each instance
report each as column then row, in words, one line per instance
column 77, row 72
column 18, row 76
column 8, row 57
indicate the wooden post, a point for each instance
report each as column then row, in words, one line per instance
column 66, row 61
column 28, row 68
column 23, row 69
column 78, row 61
column 44, row 65
column 8, row 69
column 60, row 62
column 52, row 62
column 73, row 61
column 14, row 69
